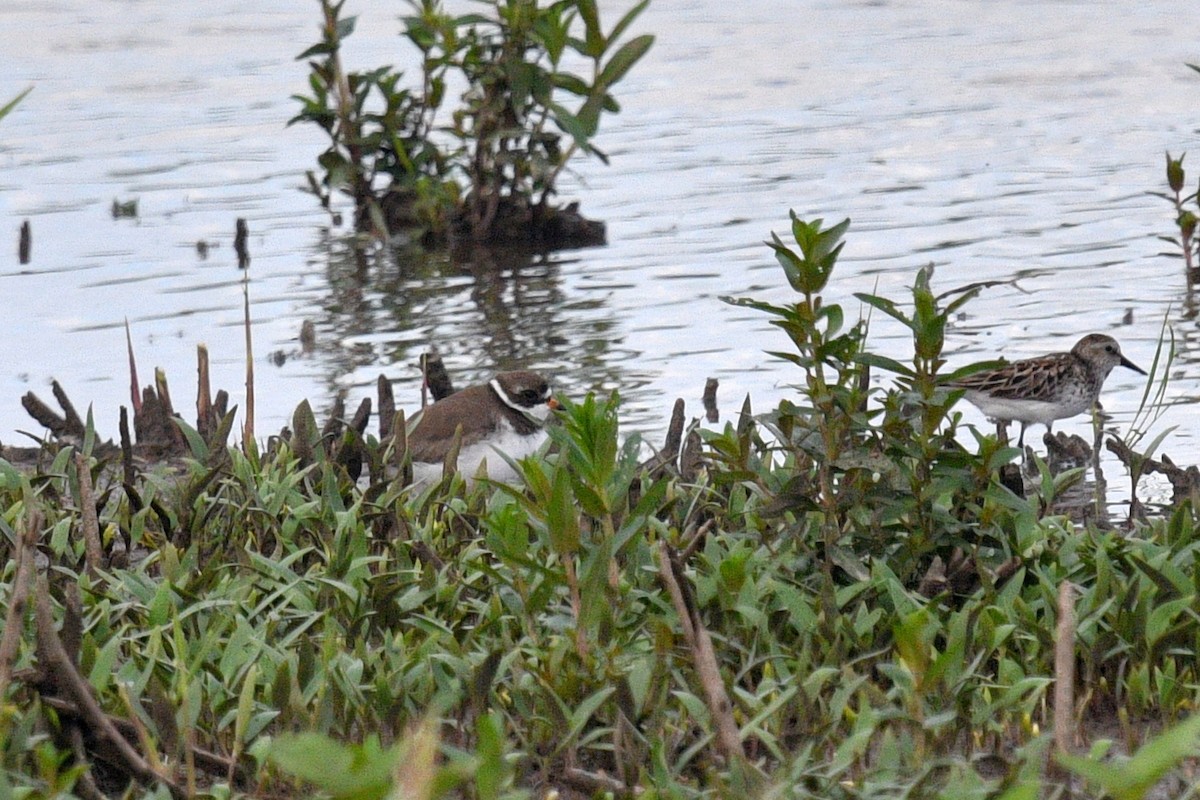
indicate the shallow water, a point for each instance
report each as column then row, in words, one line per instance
column 1014, row 142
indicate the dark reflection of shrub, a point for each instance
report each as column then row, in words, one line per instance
column 485, row 171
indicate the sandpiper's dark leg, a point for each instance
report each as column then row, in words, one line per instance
column 1021, row 438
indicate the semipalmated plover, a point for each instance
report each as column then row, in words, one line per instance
column 504, row 415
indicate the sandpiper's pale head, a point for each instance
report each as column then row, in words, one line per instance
column 1102, row 353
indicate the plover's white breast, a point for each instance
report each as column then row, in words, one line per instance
column 504, row 440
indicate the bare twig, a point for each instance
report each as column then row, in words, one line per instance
column 18, row 600
column 85, row 785
column 127, row 471
column 728, row 738
column 710, row 401
column 1064, row 670
column 66, row 676
column 74, row 424
column 402, row 462
column 24, row 243
column 206, row 421
column 241, row 234
column 1185, row 483
column 206, row 760
column 248, row 422
column 597, row 782
column 696, row 540
column 134, row 395
column 67, row 425
column 387, row 407
column 89, row 524
column 435, row 377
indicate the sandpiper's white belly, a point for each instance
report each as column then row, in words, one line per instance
column 1028, row 411
column 504, row 440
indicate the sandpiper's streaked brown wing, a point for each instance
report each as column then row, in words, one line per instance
column 1028, row 379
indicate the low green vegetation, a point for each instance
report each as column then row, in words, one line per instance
column 534, row 82
column 840, row 601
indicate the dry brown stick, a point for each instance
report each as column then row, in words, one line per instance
column 25, row 243
column 402, row 462
column 710, row 400
column 387, row 407
column 1064, row 670
column 690, row 459
column 89, row 523
column 676, row 592
column 433, row 372
column 695, row 541
column 169, row 414
column 362, row 416
column 704, row 657
column 42, row 413
column 68, row 678
column 248, row 422
column 597, row 782
column 205, row 421
column 133, row 378
column 666, row 457
column 675, row 431
column 241, row 233
column 71, row 418
column 18, row 600
column 85, row 786
column 127, row 471
column 1185, row 483
column 332, row 428
column 206, row 760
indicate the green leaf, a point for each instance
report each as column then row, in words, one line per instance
column 794, row 268
column 623, row 60
column 493, row 771
column 594, row 43
column 345, row 27
column 363, row 772
column 570, row 124
column 627, row 20
column 971, row 369
column 11, row 104
column 1132, row 779
column 886, row 306
column 883, row 362
column 562, row 519
column 583, row 713
column 570, row 83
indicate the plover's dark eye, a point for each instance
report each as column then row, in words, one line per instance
column 529, row 395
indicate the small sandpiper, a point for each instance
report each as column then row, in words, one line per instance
column 1046, row 388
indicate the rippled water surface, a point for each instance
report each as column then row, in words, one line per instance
column 1012, row 141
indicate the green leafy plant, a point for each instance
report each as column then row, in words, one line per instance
column 1186, row 243
column 254, row 622
column 488, row 171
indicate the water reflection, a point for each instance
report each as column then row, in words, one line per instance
column 484, row 311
